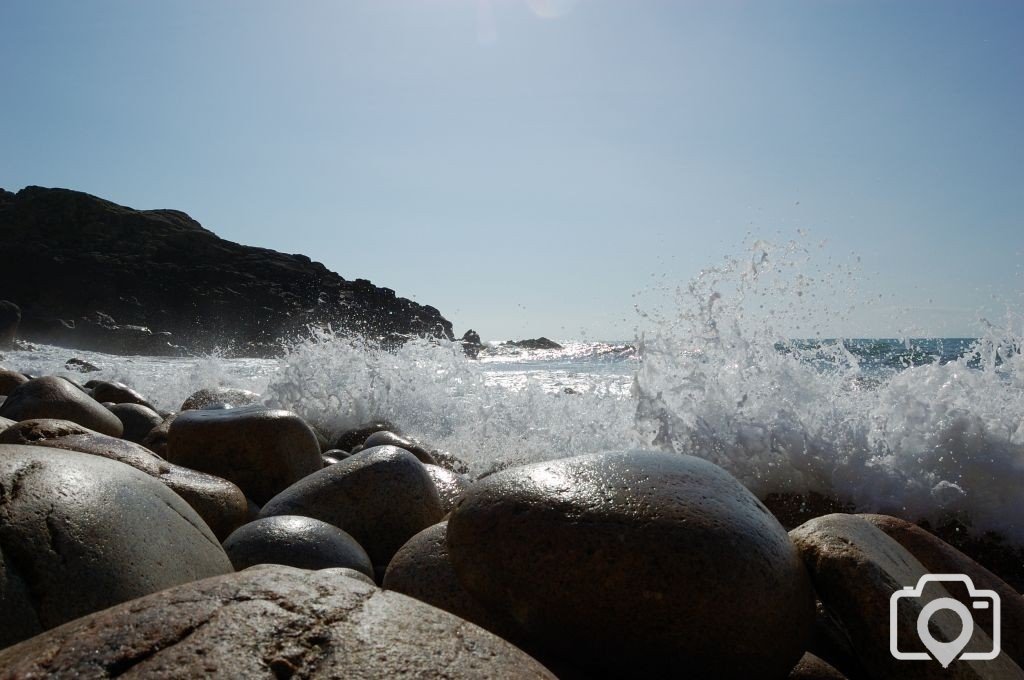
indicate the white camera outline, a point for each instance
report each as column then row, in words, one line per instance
column 918, row 590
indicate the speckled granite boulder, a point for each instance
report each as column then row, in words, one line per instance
column 272, row 622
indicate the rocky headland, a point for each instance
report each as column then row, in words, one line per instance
column 91, row 274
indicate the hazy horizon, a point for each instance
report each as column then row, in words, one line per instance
column 538, row 168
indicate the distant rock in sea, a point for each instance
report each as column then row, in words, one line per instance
column 91, row 274
column 534, row 343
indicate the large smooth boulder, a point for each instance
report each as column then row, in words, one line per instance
column 137, row 420
column 423, row 569
column 261, row 450
column 381, row 496
column 273, row 622
column 939, row 557
column 10, row 318
column 294, row 541
column 636, row 564
column 386, row 438
column 450, row 485
column 50, row 397
column 856, row 569
column 10, row 380
column 220, row 503
column 79, row 533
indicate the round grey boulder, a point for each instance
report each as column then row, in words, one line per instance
column 9, row 380
column 386, row 438
column 381, row 496
column 636, row 564
column 79, row 533
column 50, row 397
column 220, row 398
column 270, row 623
column 115, row 392
column 261, row 450
column 294, row 541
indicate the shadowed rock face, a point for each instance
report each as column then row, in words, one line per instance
column 91, row 274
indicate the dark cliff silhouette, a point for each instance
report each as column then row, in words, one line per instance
column 91, row 274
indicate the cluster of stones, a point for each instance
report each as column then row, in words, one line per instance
column 233, row 539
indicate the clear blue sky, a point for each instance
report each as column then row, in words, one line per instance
column 525, row 166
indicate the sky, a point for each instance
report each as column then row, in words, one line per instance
column 537, row 167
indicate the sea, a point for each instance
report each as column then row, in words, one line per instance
column 921, row 428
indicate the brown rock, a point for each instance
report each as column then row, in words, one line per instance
column 261, row 450
column 423, row 569
column 220, row 503
column 272, row 622
column 137, row 420
column 79, row 533
column 50, row 397
column 116, row 392
column 856, row 568
column 636, row 564
column 939, row 557
column 156, row 440
column 9, row 380
column 381, row 496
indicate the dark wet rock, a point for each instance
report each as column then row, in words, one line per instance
column 273, row 622
column 471, row 344
column 156, row 440
column 115, row 392
column 10, row 318
column 219, row 502
column 137, row 420
column 10, row 380
column 349, row 439
column 5, row 423
column 636, row 564
column 450, row 462
column 450, row 485
column 80, row 365
column 856, row 568
column 294, row 541
column 261, row 450
column 95, row 275
column 220, row 398
column 813, row 668
column 385, row 438
column 79, row 533
column 381, row 496
column 534, row 343
column 333, row 456
column 423, row 569
column 939, row 557
column 50, row 397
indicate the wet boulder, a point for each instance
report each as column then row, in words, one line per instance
column 9, row 380
column 261, row 450
column 116, row 393
column 220, row 398
column 349, row 439
column 56, row 398
column 381, row 496
column 220, row 503
column 636, row 564
column 137, row 420
column 423, row 569
column 450, row 485
column 79, row 533
column 385, row 438
column 294, row 541
column 273, row 622
column 856, row 569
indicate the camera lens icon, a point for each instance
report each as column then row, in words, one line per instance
column 942, row 651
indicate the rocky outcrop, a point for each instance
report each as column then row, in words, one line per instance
column 91, row 274
column 535, row 343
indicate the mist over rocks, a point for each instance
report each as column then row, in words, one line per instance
column 90, row 274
